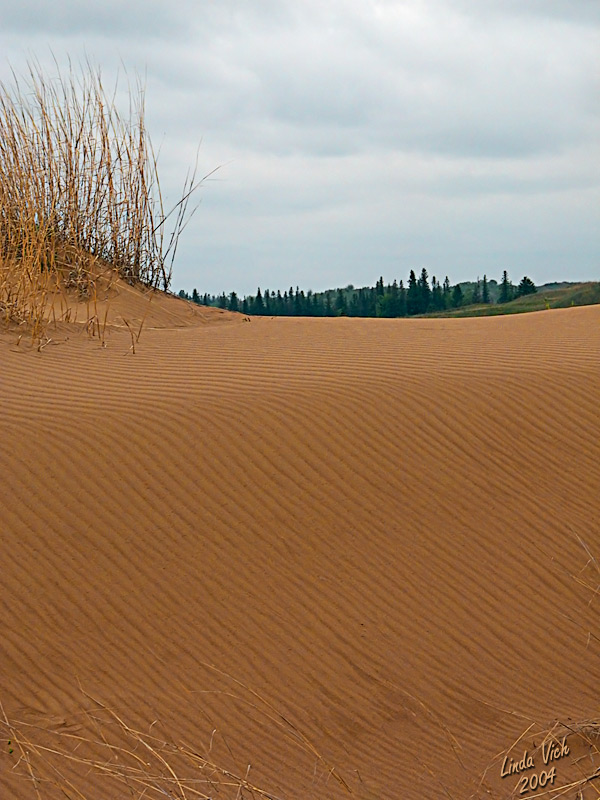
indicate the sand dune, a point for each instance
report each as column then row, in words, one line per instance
column 340, row 551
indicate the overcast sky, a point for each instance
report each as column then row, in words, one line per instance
column 358, row 138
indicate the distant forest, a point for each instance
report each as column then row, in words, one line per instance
column 395, row 299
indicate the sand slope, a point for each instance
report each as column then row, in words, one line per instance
column 366, row 526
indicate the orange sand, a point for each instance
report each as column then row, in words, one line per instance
column 371, row 524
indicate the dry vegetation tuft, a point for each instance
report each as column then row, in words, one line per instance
column 582, row 736
column 97, row 754
column 79, row 190
column 112, row 757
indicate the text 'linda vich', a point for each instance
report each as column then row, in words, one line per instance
column 551, row 751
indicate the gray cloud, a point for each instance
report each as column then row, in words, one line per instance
column 360, row 135
column 577, row 12
column 455, row 87
column 119, row 21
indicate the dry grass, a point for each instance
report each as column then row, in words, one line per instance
column 98, row 754
column 79, row 192
column 582, row 736
column 113, row 759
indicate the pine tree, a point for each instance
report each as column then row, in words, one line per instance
column 233, row 302
column 395, row 299
column 196, row 297
column 527, row 286
column 476, row 296
column 340, row 303
column 437, row 298
column 457, row 296
column 506, row 289
column 401, row 300
column 446, row 292
column 413, row 295
column 363, row 303
column 372, row 306
column 316, row 306
column 485, row 292
column 258, row 305
column 424, row 292
column 302, row 303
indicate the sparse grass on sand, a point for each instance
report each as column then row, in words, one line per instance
column 101, row 749
column 114, row 757
column 79, row 191
column 535, row 739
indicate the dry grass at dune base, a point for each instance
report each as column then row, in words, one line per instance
column 116, row 760
column 99, row 755
column 79, row 191
column 111, row 312
column 113, row 759
column 85, row 301
column 576, row 740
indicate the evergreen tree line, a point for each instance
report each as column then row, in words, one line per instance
column 391, row 300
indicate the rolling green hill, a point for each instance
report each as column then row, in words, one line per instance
column 562, row 295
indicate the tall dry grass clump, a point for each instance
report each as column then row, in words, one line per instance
column 78, row 184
